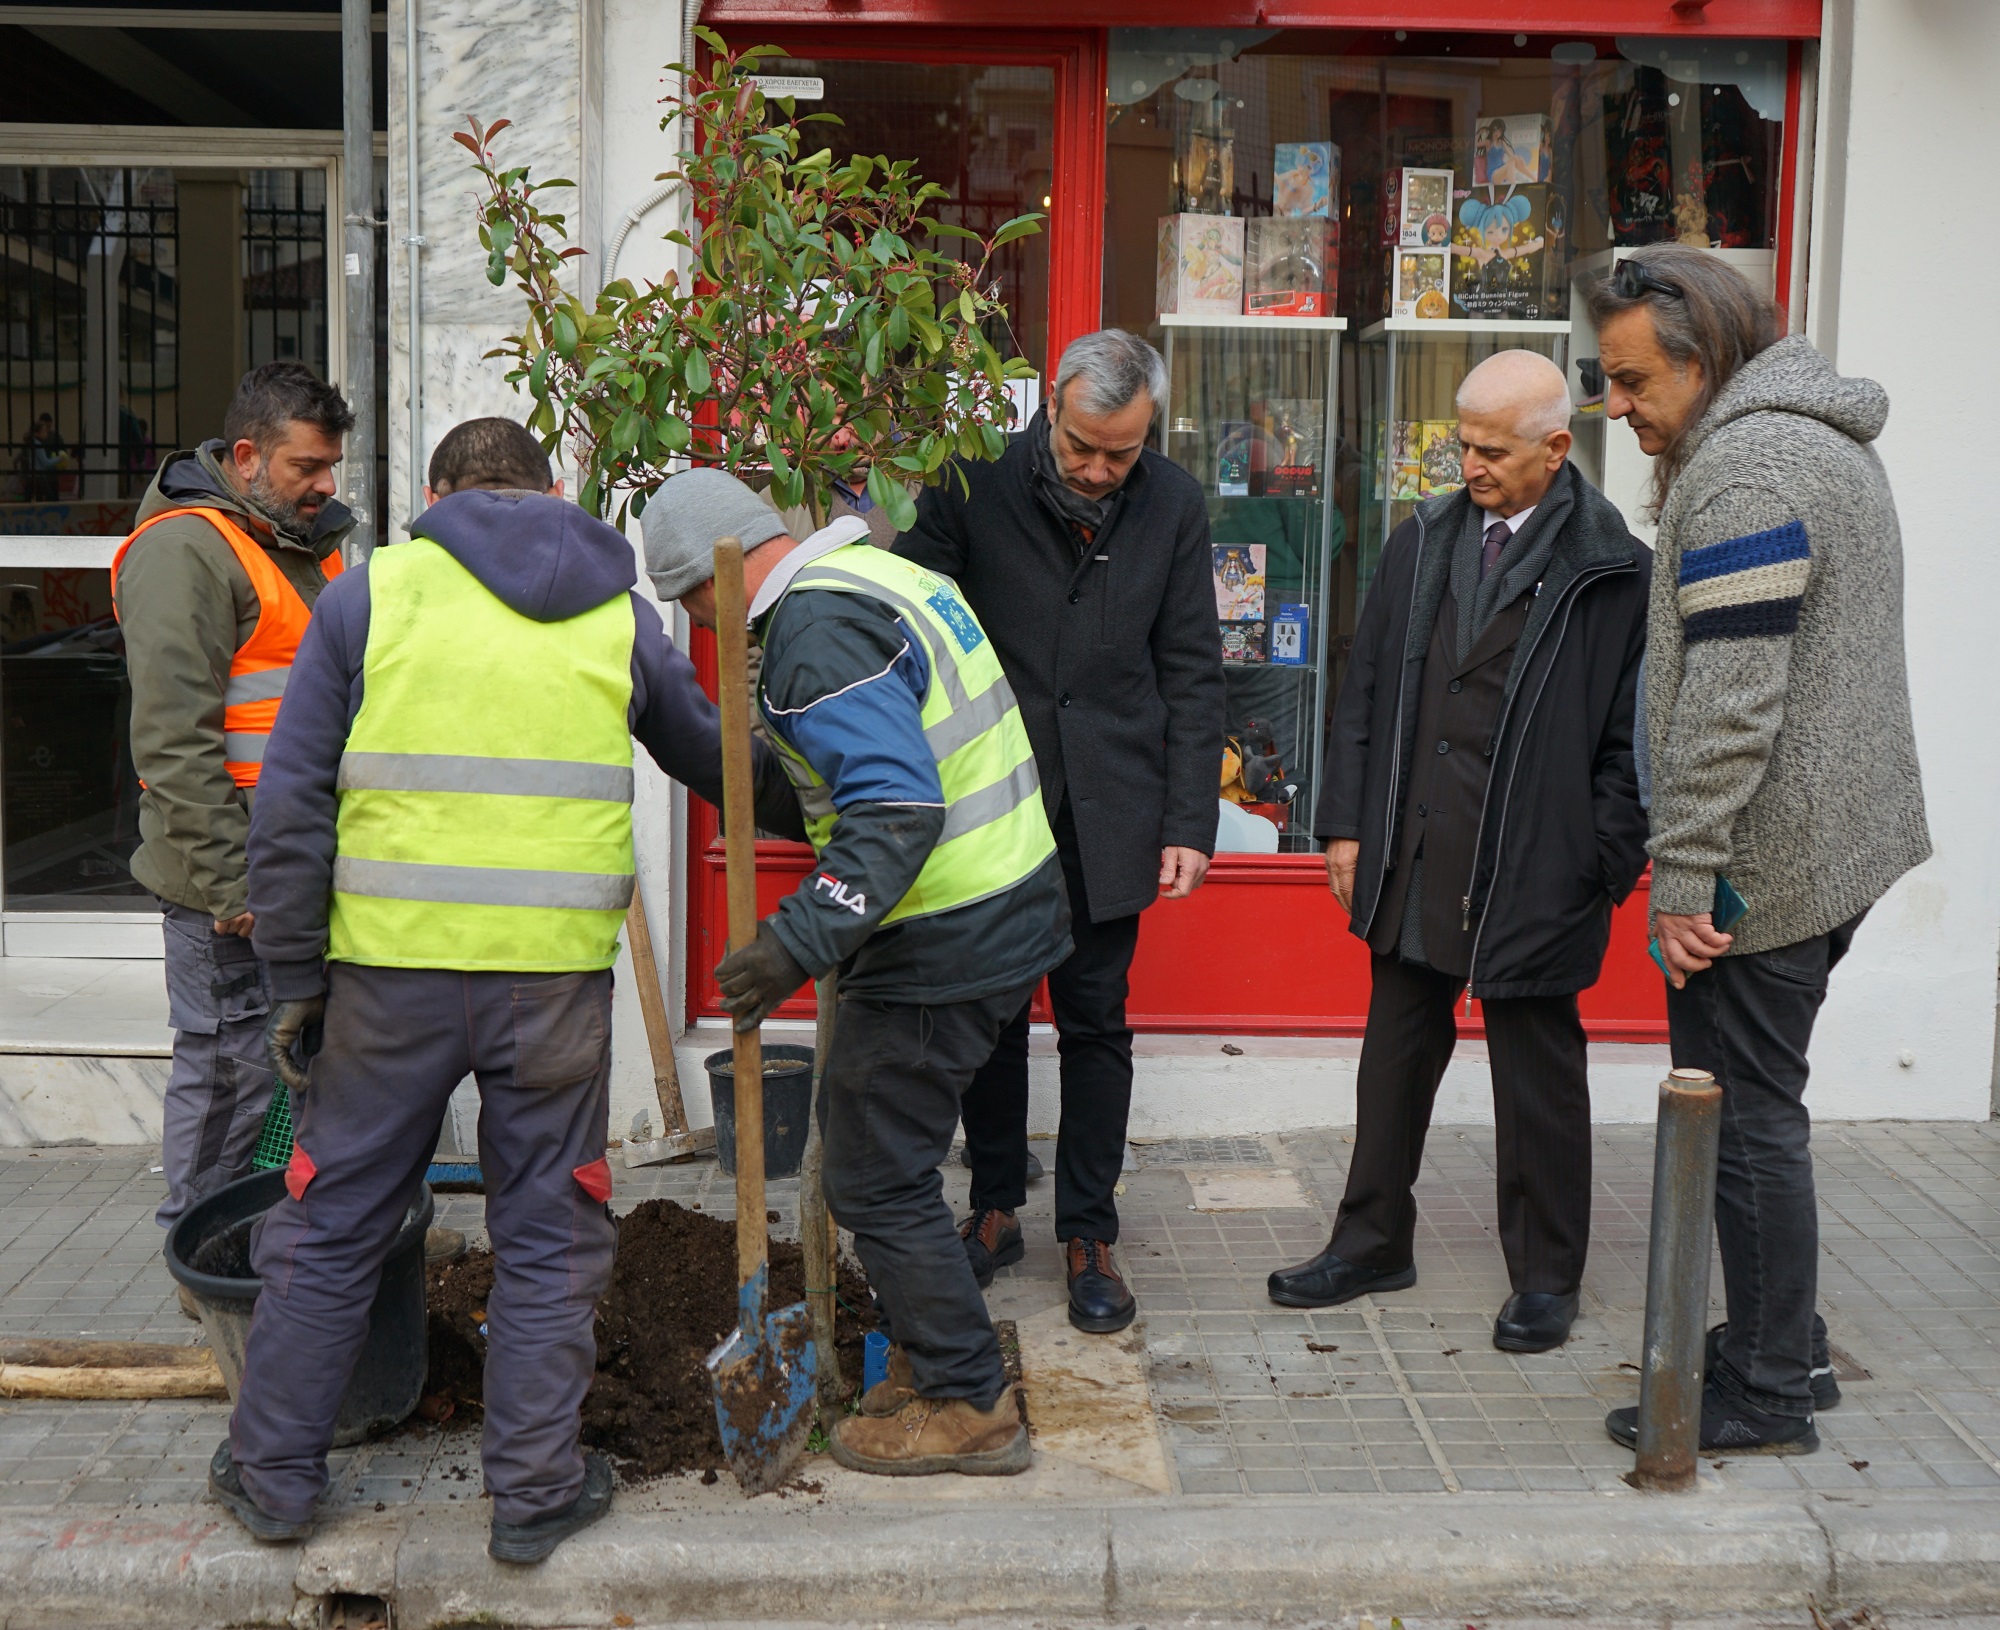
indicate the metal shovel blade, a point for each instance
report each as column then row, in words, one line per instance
column 765, row 1391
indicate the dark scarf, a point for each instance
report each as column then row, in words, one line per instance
column 1089, row 514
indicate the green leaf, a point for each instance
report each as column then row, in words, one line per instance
column 563, row 331
column 696, row 372
column 899, row 328
column 1020, row 227
column 673, row 432
column 538, row 374
column 902, row 511
column 948, row 229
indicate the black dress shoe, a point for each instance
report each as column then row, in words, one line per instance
column 1820, row 1378
column 1328, row 1280
column 1099, row 1299
column 1729, row 1428
column 226, row 1485
column 1533, row 1321
column 532, row 1541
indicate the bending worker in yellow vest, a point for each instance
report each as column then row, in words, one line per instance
column 937, row 894
column 440, row 860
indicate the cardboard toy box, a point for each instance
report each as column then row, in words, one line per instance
column 1305, row 178
column 1500, row 260
column 1201, row 266
column 1291, row 266
column 1512, row 148
column 1424, row 221
column 1420, row 283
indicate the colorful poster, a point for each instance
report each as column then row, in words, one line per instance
column 1239, row 582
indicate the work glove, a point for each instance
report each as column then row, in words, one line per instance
column 294, row 1025
column 757, row 978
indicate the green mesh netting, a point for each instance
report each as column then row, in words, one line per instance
column 274, row 1143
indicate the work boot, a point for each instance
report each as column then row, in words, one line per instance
column 227, row 1486
column 1819, row 1377
column 992, row 1241
column 895, row 1389
column 1729, row 1428
column 929, row 1435
column 532, row 1541
column 442, row 1245
column 1099, row 1299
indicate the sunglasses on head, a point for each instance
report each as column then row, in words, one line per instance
column 1633, row 278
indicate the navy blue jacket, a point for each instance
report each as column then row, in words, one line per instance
column 544, row 558
column 844, row 682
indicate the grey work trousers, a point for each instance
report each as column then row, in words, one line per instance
column 397, row 1041
column 889, row 1102
column 218, row 996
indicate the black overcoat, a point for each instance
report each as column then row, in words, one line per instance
column 1562, row 837
column 1112, row 650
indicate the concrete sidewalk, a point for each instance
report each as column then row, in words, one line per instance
column 1380, row 1457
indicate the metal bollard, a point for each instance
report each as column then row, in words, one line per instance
column 1677, row 1282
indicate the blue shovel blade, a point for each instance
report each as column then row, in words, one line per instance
column 765, row 1393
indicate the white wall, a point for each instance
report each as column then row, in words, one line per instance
column 1923, row 110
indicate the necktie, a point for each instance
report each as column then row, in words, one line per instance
column 1496, row 539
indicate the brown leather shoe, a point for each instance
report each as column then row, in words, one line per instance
column 929, row 1435
column 993, row 1240
column 1099, row 1299
column 894, row 1390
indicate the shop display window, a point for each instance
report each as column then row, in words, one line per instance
column 134, row 300
column 1324, row 230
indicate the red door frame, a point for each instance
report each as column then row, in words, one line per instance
column 1191, row 973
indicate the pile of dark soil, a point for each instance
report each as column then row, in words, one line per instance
column 226, row 1252
column 672, row 1298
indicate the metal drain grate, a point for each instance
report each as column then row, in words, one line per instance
column 1205, row 1152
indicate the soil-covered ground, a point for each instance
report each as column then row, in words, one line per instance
column 672, row 1298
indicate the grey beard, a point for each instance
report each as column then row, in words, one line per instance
column 282, row 513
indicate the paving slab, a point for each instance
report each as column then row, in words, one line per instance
column 1224, row 1455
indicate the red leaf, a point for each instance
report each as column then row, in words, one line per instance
column 579, row 250
column 495, row 129
column 466, row 142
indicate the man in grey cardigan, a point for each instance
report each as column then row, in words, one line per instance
column 1782, row 761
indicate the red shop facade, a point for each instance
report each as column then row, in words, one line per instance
column 1250, row 188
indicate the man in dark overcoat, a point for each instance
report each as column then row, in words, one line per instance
column 1086, row 557
column 1481, row 819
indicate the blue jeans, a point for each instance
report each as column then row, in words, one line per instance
column 1747, row 1021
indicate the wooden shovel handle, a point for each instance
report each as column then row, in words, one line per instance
column 739, row 815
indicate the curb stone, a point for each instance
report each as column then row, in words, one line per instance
column 1545, row 1556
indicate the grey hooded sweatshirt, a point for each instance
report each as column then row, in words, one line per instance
column 1777, row 696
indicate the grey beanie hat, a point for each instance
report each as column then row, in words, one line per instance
column 684, row 518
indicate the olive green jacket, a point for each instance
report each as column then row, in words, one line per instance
column 186, row 605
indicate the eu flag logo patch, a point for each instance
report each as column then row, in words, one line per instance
column 952, row 612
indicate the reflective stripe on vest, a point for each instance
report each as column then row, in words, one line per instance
column 995, row 830
column 262, row 664
column 485, row 796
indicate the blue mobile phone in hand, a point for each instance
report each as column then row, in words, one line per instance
column 1730, row 908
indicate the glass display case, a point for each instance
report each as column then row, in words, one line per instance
column 1405, row 415
column 1251, row 416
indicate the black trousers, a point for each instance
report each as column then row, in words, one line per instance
column 1747, row 1020
column 1087, row 993
column 1541, row 1103
column 888, row 1103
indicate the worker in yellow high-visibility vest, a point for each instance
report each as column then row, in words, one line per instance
column 439, row 864
column 937, row 894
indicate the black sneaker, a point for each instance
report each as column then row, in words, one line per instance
column 1820, row 1378
column 533, row 1541
column 1729, row 1428
column 993, row 1240
column 227, row 1487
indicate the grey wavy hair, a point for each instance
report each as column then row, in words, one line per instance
column 1113, row 366
column 1716, row 319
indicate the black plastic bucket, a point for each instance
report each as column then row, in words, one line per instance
column 389, row 1375
column 788, row 1090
